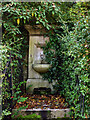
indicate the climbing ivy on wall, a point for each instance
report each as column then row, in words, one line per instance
column 67, row 50
column 70, row 66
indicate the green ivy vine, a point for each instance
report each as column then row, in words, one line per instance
column 67, row 50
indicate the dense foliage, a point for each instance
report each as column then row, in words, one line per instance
column 67, row 50
column 70, row 67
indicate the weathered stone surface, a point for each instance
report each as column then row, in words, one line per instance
column 36, row 40
column 56, row 113
column 46, row 113
column 34, row 55
column 41, row 68
column 37, row 29
column 37, row 83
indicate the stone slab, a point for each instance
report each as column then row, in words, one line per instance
column 46, row 113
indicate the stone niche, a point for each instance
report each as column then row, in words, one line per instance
column 35, row 58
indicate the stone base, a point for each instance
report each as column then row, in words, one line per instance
column 37, row 83
column 46, row 114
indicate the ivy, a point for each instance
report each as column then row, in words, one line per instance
column 70, row 66
column 67, row 50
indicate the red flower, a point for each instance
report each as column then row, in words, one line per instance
column 12, row 97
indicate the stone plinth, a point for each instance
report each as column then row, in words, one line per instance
column 37, row 83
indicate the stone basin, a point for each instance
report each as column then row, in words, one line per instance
column 41, row 68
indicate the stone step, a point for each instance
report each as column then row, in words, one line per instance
column 46, row 113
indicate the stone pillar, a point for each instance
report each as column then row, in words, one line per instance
column 34, row 78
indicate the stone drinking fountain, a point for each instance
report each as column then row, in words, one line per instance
column 36, row 66
column 36, row 60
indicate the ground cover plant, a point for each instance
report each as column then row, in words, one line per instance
column 29, row 117
column 67, row 51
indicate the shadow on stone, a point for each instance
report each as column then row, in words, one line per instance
column 42, row 90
